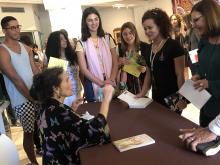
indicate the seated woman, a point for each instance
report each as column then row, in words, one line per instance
column 131, row 48
column 63, row 132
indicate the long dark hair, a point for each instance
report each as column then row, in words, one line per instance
column 53, row 48
column 45, row 82
column 84, row 28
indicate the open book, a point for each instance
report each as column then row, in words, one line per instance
column 56, row 62
column 197, row 98
column 129, row 98
column 133, row 142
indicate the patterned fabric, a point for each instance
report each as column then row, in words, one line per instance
column 26, row 114
column 64, row 133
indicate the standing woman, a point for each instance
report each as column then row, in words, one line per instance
column 178, row 31
column 165, row 63
column 205, row 16
column 131, row 46
column 58, row 46
column 96, row 55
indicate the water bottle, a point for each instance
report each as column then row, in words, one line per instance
column 100, row 95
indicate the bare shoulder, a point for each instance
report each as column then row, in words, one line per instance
column 3, row 52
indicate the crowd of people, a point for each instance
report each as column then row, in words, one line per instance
column 46, row 100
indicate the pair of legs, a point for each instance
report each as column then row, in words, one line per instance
column 26, row 114
column 28, row 144
column 122, row 79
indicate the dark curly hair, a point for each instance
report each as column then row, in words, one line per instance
column 44, row 83
column 161, row 19
column 84, row 28
column 53, row 48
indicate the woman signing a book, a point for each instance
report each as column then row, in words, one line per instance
column 205, row 16
column 131, row 48
column 165, row 62
column 63, row 131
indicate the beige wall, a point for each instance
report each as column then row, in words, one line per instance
column 113, row 18
column 26, row 19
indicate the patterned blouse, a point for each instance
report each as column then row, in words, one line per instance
column 64, row 133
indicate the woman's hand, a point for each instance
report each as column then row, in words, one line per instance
column 201, row 84
column 193, row 137
column 111, row 82
column 195, row 77
column 76, row 103
column 181, row 104
column 123, row 61
column 142, row 69
column 139, row 95
column 108, row 91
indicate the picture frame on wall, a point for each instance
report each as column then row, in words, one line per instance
column 117, row 35
column 183, row 7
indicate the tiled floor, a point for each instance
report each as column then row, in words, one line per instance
column 17, row 137
column 190, row 113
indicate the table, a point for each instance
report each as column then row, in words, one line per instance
column 156, row 121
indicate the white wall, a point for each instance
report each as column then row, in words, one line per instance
column 114, row 18
column 44, row 23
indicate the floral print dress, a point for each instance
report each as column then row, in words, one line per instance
column 64, row 133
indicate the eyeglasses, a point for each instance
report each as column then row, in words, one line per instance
column 194, row 20
column 14, row 27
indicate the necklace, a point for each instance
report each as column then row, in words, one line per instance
column 95, row 42
column 152, row 56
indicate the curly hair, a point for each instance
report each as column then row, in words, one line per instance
column 53, row 47
column 84, row 28
column 161, row 19
column 45, row 82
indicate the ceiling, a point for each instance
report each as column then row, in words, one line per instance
column 116, row 3
column 95, row 3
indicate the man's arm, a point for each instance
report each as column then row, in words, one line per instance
column 7, row 69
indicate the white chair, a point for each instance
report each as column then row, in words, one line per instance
column 8, row 151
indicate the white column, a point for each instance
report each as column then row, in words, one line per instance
column 65, row 14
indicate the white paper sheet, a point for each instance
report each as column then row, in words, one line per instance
column 197, row 98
